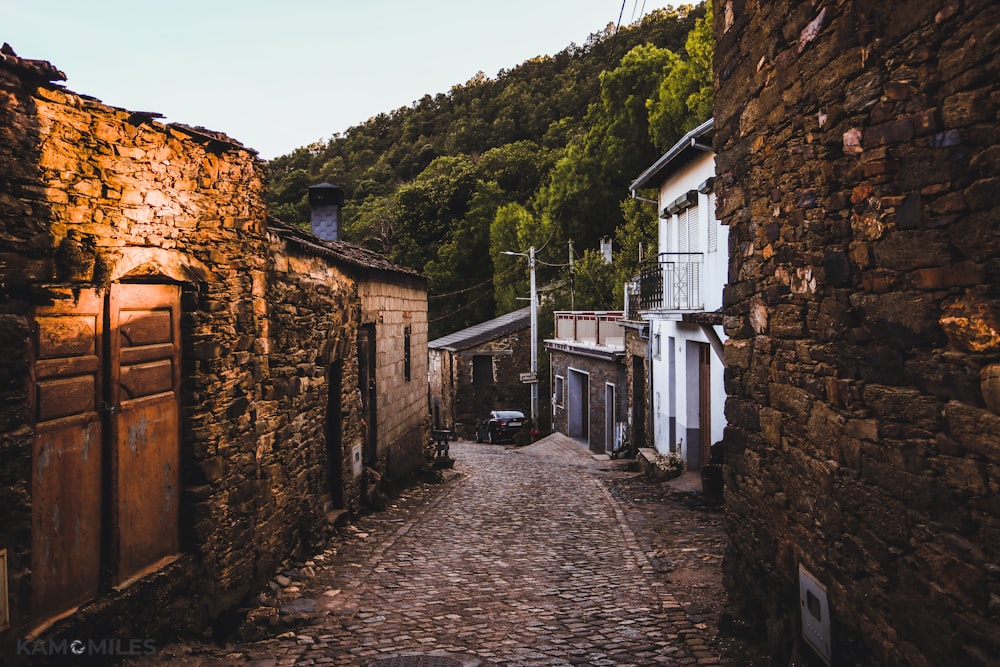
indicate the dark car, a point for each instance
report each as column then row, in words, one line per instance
column 501, row 425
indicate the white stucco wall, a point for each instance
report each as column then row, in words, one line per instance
column 675, row 375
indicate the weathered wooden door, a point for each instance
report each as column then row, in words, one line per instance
column 66, row 384
column 144, row 333
column 113, row 355
column 369, row 390
column 704, row 402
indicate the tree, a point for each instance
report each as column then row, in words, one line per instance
column 510, row 275
column 583, row 190
column 461, row 277
column 684, row 98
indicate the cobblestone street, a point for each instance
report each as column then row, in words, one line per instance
column 533, row 556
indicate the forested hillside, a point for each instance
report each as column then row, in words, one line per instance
column 541, row 155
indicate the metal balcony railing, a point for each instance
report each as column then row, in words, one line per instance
column 672, row 283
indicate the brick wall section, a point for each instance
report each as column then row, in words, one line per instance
column 393, row 306
column 857, row 168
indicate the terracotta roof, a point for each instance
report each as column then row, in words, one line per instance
column 339, row 251
column 484, row 331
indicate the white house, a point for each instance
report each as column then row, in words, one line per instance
column 679, row 294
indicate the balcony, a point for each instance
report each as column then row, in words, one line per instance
column 672, row 283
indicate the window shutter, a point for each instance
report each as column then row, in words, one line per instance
column 713, row 225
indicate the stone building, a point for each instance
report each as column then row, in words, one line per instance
column 478, row 369
column 181, row 399
column 589, row 389
column 857, row 169
column 392, row 345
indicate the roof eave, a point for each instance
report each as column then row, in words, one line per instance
column 685, row 144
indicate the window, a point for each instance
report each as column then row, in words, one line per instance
column 687, row 231
column 482, row 370
column 656, row 345
column 406, row 354
column 713, row 225
column 559, row 394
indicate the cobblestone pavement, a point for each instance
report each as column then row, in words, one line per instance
column 522, row 557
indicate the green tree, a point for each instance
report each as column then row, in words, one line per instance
column 685, row 97
column 461, row 277
column 583, row 190
column 510, row 276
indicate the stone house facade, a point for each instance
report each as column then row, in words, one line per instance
column 858, row 172
column 589, row 378
column 181, row 398
column 477, row 369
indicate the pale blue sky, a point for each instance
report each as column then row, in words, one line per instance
column 280, row 74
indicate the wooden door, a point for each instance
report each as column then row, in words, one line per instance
column 66, row 482
column 369, row 390
column 144, row 332
column 335, row 434
column 704, row 402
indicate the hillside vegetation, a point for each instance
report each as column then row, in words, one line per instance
column 542, row 155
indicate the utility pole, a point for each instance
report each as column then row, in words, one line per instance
column 534, row 338
column 534, row 330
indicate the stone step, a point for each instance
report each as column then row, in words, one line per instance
column 337, row 517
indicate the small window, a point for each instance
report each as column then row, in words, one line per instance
column 482, row 370
column 406, row 354
column 656, row 345
column 713, row 225
column 560, row 388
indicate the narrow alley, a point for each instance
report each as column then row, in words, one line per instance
column 533, row 556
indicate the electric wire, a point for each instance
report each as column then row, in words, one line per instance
column 469, row 289
column 466, row 305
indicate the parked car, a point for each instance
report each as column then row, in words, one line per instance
column 501, row 425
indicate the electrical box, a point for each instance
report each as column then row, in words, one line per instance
column 4, row 610
column 815, row 612
column 356, row 459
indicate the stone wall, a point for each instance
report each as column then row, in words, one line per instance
column 472, row 403
column 311, row 343
column 857, row 168
column 92, row 196
column 600, row 372
column 637, row 370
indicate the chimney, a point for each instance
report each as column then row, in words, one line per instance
column 606, row 248
column 325, row 201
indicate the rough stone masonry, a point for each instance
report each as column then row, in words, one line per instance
column 857, row 158
column 151, row 315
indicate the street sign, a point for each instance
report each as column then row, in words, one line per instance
column 528, row 378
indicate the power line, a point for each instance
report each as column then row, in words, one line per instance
column 460, row 308
column 614, row 37
column 469, row 289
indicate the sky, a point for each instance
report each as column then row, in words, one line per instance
column 280, row 74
